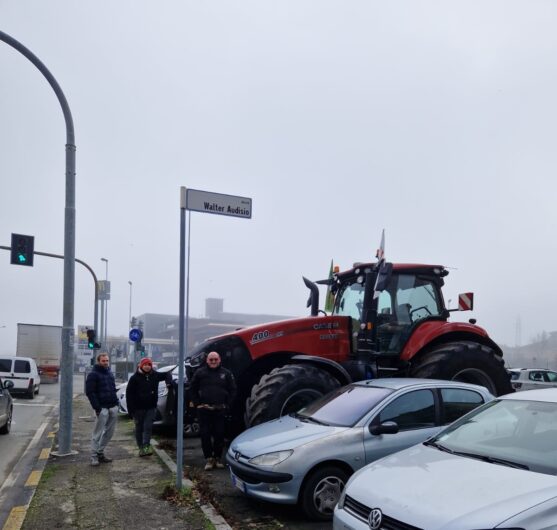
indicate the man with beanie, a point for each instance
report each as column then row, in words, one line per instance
column 212, row 391
column 100, row 388
column 142, row 394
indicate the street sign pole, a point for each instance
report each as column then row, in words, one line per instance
column 204, row 202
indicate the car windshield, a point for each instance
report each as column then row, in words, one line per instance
column 519, row 433
column 345, row 406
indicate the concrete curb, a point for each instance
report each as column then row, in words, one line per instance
column 208, row 509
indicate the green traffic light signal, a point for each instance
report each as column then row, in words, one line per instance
column 91, row 335
column 22, row 250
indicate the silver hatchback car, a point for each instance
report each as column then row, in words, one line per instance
column 307, row 457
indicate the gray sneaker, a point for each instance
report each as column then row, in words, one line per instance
column 95, row 460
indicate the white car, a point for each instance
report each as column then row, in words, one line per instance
column 532, row 378
column 495, row 467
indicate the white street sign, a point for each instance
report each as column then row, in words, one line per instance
column 218, row 203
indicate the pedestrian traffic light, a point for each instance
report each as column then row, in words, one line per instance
column 91, row 344
column 22, row 251
column 142, row 351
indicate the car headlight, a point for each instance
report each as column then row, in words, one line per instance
column 163, row 390
column 271, row 459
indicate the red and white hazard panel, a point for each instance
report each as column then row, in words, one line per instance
column 466, row 301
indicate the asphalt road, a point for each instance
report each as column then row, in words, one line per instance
column 29, row 415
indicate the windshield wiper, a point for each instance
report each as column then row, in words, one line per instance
column 439, row 446
column 483, row 458
column 309, row 419
column 502, row 461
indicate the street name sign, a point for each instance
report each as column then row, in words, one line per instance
column 218, row 203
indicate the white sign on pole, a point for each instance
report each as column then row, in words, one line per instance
column 218, row 203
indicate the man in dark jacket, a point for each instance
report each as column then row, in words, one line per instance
column 101, row 391
column 142, row 394
column 212, row 391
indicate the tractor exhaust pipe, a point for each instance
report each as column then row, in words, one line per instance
column 313, row 299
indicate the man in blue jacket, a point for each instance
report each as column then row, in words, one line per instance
column 100, row 388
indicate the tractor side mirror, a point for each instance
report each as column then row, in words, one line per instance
column 387, row 427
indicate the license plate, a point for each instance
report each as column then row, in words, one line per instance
column 238, row 483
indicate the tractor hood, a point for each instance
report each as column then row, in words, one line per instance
column 328, row 335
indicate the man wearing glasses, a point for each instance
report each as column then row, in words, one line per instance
column 212, row 390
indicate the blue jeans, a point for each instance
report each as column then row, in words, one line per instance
column 143, row 426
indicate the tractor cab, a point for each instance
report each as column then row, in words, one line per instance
column 386, row 302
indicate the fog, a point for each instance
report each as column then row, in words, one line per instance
column 433, row 120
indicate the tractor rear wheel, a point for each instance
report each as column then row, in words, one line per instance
column 286, row 389
column 464, row 361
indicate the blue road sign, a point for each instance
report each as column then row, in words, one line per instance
column 136, row 334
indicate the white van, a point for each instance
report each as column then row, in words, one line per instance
column 24, row 374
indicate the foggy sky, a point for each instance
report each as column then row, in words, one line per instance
column 434, row 120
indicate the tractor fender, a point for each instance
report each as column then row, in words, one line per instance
column 434, row 332
column 331, row 367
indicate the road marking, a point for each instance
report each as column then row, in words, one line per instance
column 16, row 518
column 10, row 480
column 51, row 434
column 45, row 453
column 34, row 478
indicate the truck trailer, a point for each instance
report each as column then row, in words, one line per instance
column 44, row 344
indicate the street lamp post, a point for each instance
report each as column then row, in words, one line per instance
column 66, row 360
column 104, row 311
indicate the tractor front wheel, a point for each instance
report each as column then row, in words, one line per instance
column 468, row 362
column 286, row 389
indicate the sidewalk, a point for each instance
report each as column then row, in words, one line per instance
column 127, row 493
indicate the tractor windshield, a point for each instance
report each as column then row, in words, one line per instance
column 350, row 300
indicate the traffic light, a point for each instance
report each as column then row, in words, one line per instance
column 142, row 351
column 91, row 344
column 22, row 252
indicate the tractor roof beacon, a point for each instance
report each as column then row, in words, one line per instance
column 387, row 320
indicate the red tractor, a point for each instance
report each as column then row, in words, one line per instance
column 387, row 320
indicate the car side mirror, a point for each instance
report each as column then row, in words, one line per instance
column 387, row 427
column 8, row 384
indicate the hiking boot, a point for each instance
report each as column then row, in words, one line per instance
column 218, row 464
column 148, row 450
column 95, row 460
column 210, row 464
column 103, row 459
